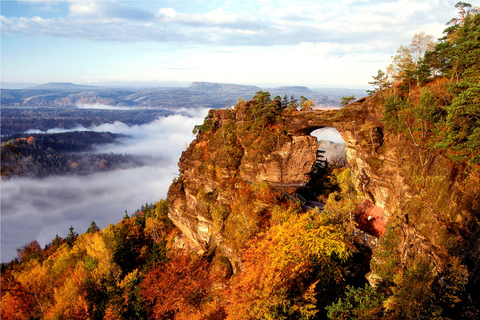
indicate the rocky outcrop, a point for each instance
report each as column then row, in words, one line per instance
column 431, row 200
column 233, row 150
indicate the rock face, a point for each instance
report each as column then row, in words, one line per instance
column 422, row 193
column 230, row 151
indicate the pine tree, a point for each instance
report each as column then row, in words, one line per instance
column 71, row 237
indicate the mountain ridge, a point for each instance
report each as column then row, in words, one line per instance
column 198, row 94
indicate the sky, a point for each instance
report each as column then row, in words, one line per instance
column 339, row 43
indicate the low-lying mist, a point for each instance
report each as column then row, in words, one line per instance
column 39, row 209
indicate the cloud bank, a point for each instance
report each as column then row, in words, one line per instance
column 330, row 134
column 40, row 209
column 242, row 23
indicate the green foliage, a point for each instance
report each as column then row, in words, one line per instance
column 305, row 104
column 380, row 82
column 93, row 228
column 413, row 297
column 454, row 124
column 391, row 107
column 387, row 257
column 71, row 237
column 428, row 110
column 461, row 127
column 346, row 100
column 358, row 304
column 206, row 126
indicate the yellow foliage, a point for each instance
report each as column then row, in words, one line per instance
column 282, row 259
column 281, row 215
column 340, row 205
column 40, row 281
column 70, row 302
column 155, row 228
column 94, row 245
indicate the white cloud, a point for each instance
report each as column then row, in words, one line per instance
column 329, row 134
column 217, row 17
column 286, row 42
column 91, row 10
column 50, row 206
column 286, row 23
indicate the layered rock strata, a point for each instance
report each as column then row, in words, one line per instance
column 420, row 192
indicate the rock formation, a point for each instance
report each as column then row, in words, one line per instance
column 421, row 193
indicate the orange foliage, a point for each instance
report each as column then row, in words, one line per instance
column 70, row 301
column 15, row 307
column 16, row 303
column 178, row 288
column 286, row 267
column 29, row 251
column 110, row 314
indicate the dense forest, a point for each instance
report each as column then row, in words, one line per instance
column 42, row 155
column 295, row 263
column 20, row 120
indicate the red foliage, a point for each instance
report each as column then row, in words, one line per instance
column 29, row 251
column 370, row 218
column 16, row 302
column 181, row 285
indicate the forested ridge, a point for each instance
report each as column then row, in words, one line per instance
column 295, row 263
column 19, row 120
column 41, row 155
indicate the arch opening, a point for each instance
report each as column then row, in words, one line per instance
column 330, row 141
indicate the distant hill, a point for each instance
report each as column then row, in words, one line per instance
column 198, row 95
column 297, row 89
column 64, row 86
column 222, row 87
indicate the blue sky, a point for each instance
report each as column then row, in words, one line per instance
column 314, row 43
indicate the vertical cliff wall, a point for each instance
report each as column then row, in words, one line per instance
column 432, row 201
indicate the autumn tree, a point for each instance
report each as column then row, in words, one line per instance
column 17, row 303
column 290, row 270
column 176, row 289
column 306, row 104
column 421, row 43
column 404, row 66
column 30, row 251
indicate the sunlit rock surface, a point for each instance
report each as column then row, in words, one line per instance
column 419, row 192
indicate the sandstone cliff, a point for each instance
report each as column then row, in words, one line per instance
column 433, row 202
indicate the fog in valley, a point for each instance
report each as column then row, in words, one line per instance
column 38, row 209
column 329, row 134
